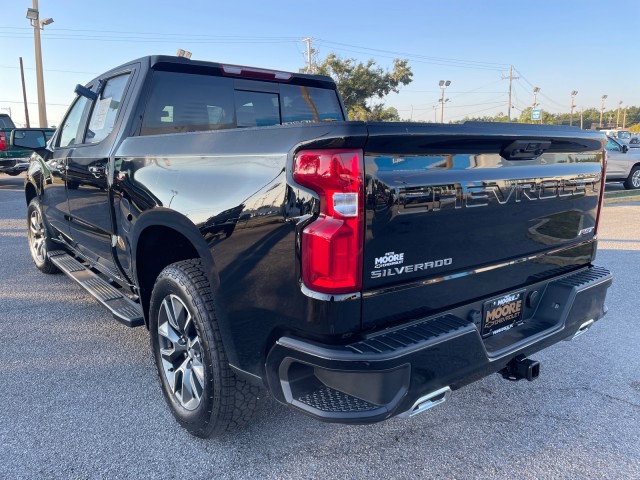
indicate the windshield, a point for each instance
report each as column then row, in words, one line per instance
column 624, row 135
column 6, row 122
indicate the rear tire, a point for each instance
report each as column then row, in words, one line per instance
column 204, row 395
column 39, row 238
column 633, row 180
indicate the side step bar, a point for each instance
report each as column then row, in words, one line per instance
column 125, row 310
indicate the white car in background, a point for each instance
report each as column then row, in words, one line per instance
column 623, row 164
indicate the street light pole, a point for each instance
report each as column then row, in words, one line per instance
column 604, row 97
column 33, row 14
column 573, row 96
column 443, row 84
column 618, row 114
column 535, row 100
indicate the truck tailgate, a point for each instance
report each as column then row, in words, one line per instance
column 456, row 213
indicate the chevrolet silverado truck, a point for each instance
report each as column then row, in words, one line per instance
column 356, row 271
column 14, row 160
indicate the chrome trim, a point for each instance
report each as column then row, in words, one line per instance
column 583, row 328
column 420, row 283
column 427, row 402
column 328, row 297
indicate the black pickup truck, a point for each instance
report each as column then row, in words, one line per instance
column 356, row 271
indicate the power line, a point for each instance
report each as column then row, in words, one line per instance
column 413, row 55
column 51, row 70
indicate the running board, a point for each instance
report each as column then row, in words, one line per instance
column 125, row 310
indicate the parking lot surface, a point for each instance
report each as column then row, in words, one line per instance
column 81, row 399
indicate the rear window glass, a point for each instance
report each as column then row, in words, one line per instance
column 185, row 102
column 309, row 104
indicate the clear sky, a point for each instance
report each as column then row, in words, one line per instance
column 557, row 45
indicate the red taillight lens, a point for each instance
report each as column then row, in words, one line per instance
column 3, row 141
column 332, row 244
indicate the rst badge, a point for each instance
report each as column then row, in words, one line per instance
column 502, row 313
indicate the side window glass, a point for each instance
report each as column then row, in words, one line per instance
column 69, row 132
column 612, row 146
column 105, row 110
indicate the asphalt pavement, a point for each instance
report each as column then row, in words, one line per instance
column 81, row 398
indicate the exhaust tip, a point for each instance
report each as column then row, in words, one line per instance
column 427, row 402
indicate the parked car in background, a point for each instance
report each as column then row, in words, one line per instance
column 634, row 142
column 623, row 164
column 14, row 160
column 622, row 136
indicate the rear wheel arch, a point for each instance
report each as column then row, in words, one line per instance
column 162, row 237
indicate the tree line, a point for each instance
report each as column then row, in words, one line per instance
column 363, row 87
column 590, row 118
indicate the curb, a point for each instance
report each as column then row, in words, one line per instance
column 620, row 197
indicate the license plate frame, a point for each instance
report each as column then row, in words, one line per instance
column 502, row 313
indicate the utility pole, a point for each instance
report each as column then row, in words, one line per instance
column 24, row 95
column 308, row 41
column 573, row 96
column 511, row 78
column 33, row 14
column 604, row 97
column 624, row 118
column 435, row 114
column 618, row 114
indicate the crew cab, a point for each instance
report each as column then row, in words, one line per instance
column 356, row 271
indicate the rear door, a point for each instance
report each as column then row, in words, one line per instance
column 444, row 204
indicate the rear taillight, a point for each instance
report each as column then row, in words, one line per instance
column 601, row 197
column 3, row 141
column 332, row 244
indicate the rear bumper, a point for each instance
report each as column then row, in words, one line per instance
column 393, row 371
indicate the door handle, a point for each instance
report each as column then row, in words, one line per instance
column 98, row 170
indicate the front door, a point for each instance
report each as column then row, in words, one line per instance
column 91, row 227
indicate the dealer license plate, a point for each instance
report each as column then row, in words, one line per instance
column 502, row 313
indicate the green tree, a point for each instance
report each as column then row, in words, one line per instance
column 364, row 85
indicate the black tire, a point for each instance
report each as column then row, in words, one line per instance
column 195, row 352
column 633, row 180
column 39, row 238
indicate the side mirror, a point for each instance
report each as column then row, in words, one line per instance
column 85, row 92
column 625, row 148
column 29, row 138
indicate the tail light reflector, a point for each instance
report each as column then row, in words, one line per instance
column 3, row 141
column 332, row 244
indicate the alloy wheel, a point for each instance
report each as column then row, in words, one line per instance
column 37, row 236
column 635, row 179
column 180, row 352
